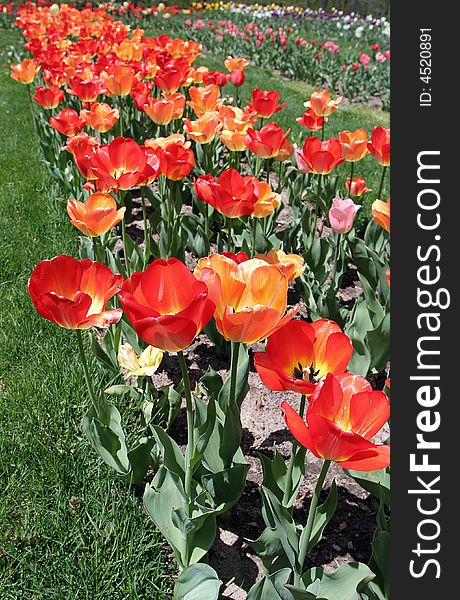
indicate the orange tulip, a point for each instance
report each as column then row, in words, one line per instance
column 357, row 187
column 67, row 122
column 291, row 265
column 267, row 200
column 119, row 80
column 100, row 116
column 204, row 129
column 235, row 125
column 269, row 141
column 381, row 213
column 25, row 71
column 73, row 294
column 235, row 64
column 379, row 145
column 97, row 216
column 253, row 297
column 164, row 110
column 233, row 140
column 354, row 144
column 204, row 99
column 321, row 103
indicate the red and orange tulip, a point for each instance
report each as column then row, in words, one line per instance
column 73, row 294
column 48, row 97
column 204, row 129
column 318, row 156
column 68, row 122
column 252, row 301
column 379, row 145
column 322, row 104
column 170, row 78
column 357, row 187
column 167, row 306
column 300, row 353
column 311, row 120
column 119, row 80
column 25, row 71
column 381, row 213
column 231, row 194
column 96, row 216
column 344, row 414
column 164, row 110
column 265, row 103
column 100, row 116
column 354, row 144
column 268, row 142
column 204, row 99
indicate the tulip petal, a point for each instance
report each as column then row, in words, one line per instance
column 369, row 411
column 372, row 459
column 297, row 427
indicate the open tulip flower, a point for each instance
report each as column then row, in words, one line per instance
column 354, row 144
column 311, row 120
column 318, row 156
column 291, row 265
column 176, row 158
column 164, row 110
column 342, row 214
column 267, row 200
column 299, row 354
column 252, row 301
column 344, row 414
column 322, row 104
column 381, row 213
column 82, row 146
column 73, row 293
column 144, row 365
column 100, row 116
column 204, row 129
column 232, row 194
column 172, row 76
column 235, row 64
column 379, row 145
column 204, row 99
column 86, row 89
column 265, row 103
column 357, row 187
column 25, row 71
column 167, row 306
column 269, row 141
column 48, row 97
column 67, row 122
column 120, row 165
column 96, row 216
column 119, row 80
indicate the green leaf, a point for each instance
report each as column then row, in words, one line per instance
column 281, row 519
column 270, row 550
column 376, row 482
column 225, row 487
column 275, row 473
column 378, row 342
column 107, row 437
column 170, row 451
column 380, row 564
column 271, row 587
column 197, row 582
column 139, row 459
column 324, row 514
column 342, row 584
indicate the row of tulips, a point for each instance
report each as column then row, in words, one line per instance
column 210, row 190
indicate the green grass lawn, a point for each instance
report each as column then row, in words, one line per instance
column 67, row 529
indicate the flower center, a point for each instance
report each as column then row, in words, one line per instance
column 307, row 373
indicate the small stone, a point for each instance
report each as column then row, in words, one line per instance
column 336, row 547
column 343, row 525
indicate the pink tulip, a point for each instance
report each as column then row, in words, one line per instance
column 301, row 164
column 342, row 214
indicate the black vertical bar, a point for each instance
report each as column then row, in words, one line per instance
column 425, row 241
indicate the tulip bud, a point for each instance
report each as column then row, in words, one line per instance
column 342, row 214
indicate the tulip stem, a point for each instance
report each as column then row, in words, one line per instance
column 295, row 446
column 267, row 166
column 311, row 519
column 234, row 371
column 190, row 442
column 336, row 257
column 146, row 228
column 318, row 192
column 254, row 235
column 84, row 363
column 379, row 197
column 124, row 236
column 351, row 175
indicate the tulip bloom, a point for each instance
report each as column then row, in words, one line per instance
column 381, row 213
column 237, row 77
column 170, row 78
column 379, row 145
column 299, row 354
column 164, row 110
column 342, row 417
column 100, row 116
column 320, row 156
column 166, row 305
column 86, row 89
column 176, row 159
column 311, row 120
column 267, row 142
column 291, row 265
column 82, row 146
column 145, row 365
column 120, row 165
column 267, row 200
column 235, row 64
column 354, row 144
column 73, row 294
column 97, row 216
column 216, row 78
column 67, row 122
column 25, row 71
column 231, row 194
column 48, row 97
column 119, row 80
column 252, row 297
column 342, row 214
column 204, row 99
column 265, row 103
column 321, row 103
column 235, row 125
column 204, row 129
column 357, row 187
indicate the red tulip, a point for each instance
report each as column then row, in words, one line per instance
column 167, row 306
column 68, row 122
column 311, row 120
column 320, row 156
column 379, row 145
column 300, row 353
column 342, row 417
column 265, row 103
column 237, row 77
column 268, row 141
column 73, row 294
column 231, row 194
column 176, row 160
column 48, row 97
column 172, row 76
